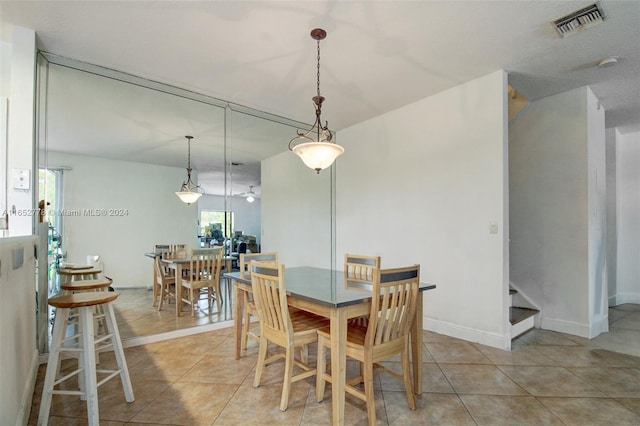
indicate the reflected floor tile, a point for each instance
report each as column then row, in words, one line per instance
column 628, row 322
column 456, row 353
column 261, row 405
column 579, row 356
column 433, row 380
column 590, row 411
column 543, row 337
column 432, row 409
column 614, row 382
column 508, row 410
column 355, row 410
column 220, row 370
column 480, row 379
column 187, row 404
column 518, row 356
column 631, row 404
column 168, row 366
column 620, row 340
column 550, row 381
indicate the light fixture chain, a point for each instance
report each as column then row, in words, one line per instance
column 189, row 156
column 318, row 68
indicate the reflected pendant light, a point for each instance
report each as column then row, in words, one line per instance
column 320, row 152
column 189, row 191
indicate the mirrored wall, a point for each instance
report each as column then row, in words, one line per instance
column 112, row 154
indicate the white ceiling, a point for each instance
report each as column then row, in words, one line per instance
column 378, row 55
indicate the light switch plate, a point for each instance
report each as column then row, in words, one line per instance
column 21, row 179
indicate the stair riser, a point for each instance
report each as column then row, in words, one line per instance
column 522, row 326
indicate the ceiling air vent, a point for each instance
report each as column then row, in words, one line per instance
column 579, row 20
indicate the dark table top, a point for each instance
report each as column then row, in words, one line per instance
column 324, row 286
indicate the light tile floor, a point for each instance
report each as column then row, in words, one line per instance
column 548, row 378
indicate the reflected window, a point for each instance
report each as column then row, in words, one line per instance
column 215, row 227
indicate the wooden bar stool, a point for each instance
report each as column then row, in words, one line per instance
column 83, row 342
column 67, row 275
column 100, row 284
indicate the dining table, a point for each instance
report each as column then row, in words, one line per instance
column 326, row 292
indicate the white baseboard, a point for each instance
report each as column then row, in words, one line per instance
column 622, row 298
column 27, row 395
column 469, row 334
column 599, row 327
column 563, row 326
column 143, row 340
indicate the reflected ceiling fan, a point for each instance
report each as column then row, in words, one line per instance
column 250, row 196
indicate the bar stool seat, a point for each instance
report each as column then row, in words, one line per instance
column 75, row 266
column 99, row 284
column 78, row 274
column 84, row 343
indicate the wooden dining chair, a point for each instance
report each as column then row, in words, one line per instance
column 204, row 273
column 393, row 307
column 249, row 305
column 165, row 281
column 281, row 326
column 360, row 269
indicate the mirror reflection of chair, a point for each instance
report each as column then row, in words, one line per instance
column 165, row 281
column 240, row 249
column 392, row 313
column 279, row 325
column 248, row 302
column 204, row 273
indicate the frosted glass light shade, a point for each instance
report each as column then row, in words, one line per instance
column 188, row 197
column 318, row 155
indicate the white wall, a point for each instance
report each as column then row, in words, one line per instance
column 21, row 128
column 421, row 184
column 18, row 351
column 556, row 150
column 628, row 217
column 151, row 214
column 296, row 212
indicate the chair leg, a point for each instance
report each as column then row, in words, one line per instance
column 368, row 391
column 162, row 291
column 246, row 317
column 304, row 354
column 118, row 351
column 218, row 294
column 53, row 364
column 404, row 358
column 262, row 355
column 193, row 302
column 288, row 373
column 321, row 366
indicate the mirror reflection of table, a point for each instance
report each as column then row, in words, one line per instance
column 178, row 264
column 325, row 292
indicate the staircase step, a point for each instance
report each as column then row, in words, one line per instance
column 517, row 315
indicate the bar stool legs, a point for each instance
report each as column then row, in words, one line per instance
column 85, row 344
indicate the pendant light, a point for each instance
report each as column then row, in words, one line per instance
column 320, row 152
column 189, row 191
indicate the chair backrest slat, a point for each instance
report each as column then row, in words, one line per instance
column 267, row 281
column 393, row 304
column 361, row 268
column 246, row 259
